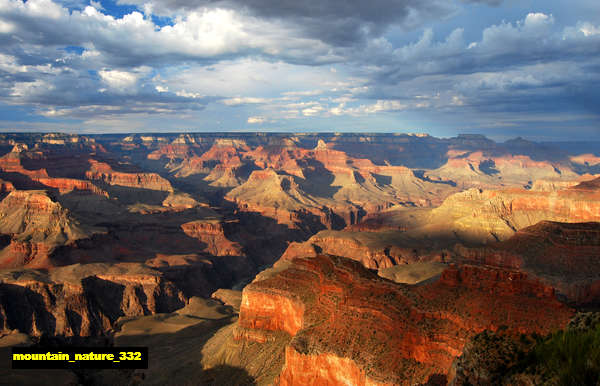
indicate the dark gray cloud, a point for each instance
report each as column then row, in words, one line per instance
column 527, row 74
column 488, row 2
column 337, row 22
column 528, row 53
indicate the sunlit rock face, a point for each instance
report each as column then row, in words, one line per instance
column 104, row 173
column 349, row 324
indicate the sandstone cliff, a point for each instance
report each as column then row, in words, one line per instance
column 348, row 325
column 101, row 171
column 82, row 300
column 35, row 224
column 562, row 255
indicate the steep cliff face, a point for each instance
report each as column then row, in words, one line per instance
column 66, row 185
column 6, row 186
column 35, row 225
column 327, row 178
column 225, row 153
column 12, row 166
column 322, row 369
column 280, row 197
column 350, row 325
column 180, row 148
column 501, row 212
column 101, row 171
column 11, row 163
column 78, row 301
column 476, row 216
column 212, row 234
column 562, row 255
column 271, row 311
column 491, row 169
column 379, row 248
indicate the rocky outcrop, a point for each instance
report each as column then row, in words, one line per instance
column 225, row 153
column 171, row 151
column 478, row 216
column 101, row 171
column 6, row 186
column 11, row 163
column 66, row 185
column 82, row 300
column 521, row 208
column 324, row 182
column 350, row 325
column 322, row 369
column 492, row 170
column 35, row 225
column 279, row 197
column 212, row 234
column 561, row 255
column 374, row 249
column 229, row 297
column 180, row 201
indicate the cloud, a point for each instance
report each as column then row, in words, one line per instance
column 494, row 3
column 502, row 47
column 204, row 35
column 302, row 61
column 336, row 22
column 121, row 81
column 243, row 101
column 256, row 120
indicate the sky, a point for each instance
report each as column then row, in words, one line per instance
column 502, row 68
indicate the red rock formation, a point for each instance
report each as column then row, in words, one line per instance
column 486, row 170
column 375, row 249
column 224, row 152
column 271, row 311
column 65, row 185
column 320, row 181
column 36, row 225
column 6, row 186
column 564, row 256
column 103, row 172
column 335, row 243
column 73, row 301
column 212, row 234
column 171, row 151
column 279, row 197
column 351, row 326
column 322, row 369
column 11, row 163
column 477, row 216
column 26, row 253
column 283, row 158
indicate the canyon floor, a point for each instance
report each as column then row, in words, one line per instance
column 300, row 259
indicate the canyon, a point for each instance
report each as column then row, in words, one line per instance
column 293, row 259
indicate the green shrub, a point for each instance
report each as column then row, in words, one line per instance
column 571, row 357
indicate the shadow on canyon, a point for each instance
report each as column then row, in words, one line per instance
column 175, row 358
